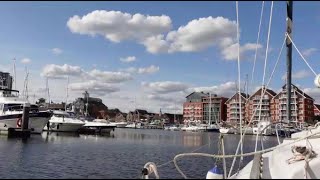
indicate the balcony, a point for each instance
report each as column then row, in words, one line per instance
column 265, row 97
column 284, row 96
column 262, row 103
column 285, row 102
column 242, row 103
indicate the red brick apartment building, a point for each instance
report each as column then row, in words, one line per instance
column 197, row 105
column 218, row 107
column 302, row 106
column 253, row 105
column 233, row 108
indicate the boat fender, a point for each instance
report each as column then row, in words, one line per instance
column 19, row 121
column 214, row 173
column 317, row 81
column 53, row 125
column 145, row 173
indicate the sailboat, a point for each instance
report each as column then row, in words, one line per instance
column 294, row 158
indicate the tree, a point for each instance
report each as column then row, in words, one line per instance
column 41, row 101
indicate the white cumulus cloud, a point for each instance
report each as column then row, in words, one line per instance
column 118, row 26
column 226, row 89
column 313, row 92
column 109, row 77
column 128, row 59
column 308, row 52
column 57, row 71
column 298, row 75
column 25, row 61
column 56, row 51
column 154, row 32
column 94, row 87
column 165, row 86
column 148, row 70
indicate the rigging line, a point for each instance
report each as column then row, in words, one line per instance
column 301, row 55
column 238, row 39
column 264, row 68
column 255, row 109
column 243, row 155
column 255, row 56
column 191, row 152
column 284, row 41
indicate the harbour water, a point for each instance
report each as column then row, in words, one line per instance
column 119, row 155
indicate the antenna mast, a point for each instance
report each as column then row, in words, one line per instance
column 67, row 94
column 289, row 58
column 47, row 88
column 14, row 72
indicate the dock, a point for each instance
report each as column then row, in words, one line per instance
column 15, row 132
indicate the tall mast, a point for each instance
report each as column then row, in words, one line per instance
column 210, row 110
column 14, row 72
column 47, row 89
column 289, row 58
column 87, row 95
column 67, row 94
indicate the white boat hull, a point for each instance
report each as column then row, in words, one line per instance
column 223, row 130
column 119, row 125
column 64, row 127
column 36, row 124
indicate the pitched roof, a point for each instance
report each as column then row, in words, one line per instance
column 299, row 91
column 141, row 111
column 269, row 91
column 200, row 93
column 242, row 95
column 317, row 106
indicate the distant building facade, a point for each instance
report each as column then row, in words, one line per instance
column 5, row 80
column 197, row 108
column 233, row 108
column 302, row 106
column 253, row 108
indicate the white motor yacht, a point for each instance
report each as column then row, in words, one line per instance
column 121, row 124
column 61, row 121
column 134, row 125
column 225, row 130
column 97, row 126
column 11, row 110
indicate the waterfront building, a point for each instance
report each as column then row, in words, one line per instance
column 233, row 108
column 253, row 105
column 193, row 107
column 218, row 110
column 302, row 106
column 197, row 108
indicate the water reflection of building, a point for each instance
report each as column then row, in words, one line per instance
column 192, row 140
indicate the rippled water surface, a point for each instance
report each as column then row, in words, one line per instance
column 119, row 155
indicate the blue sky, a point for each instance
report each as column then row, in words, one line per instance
column 187, row 61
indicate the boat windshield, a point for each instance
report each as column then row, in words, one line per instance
column 62, row 115
column 12, row 107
